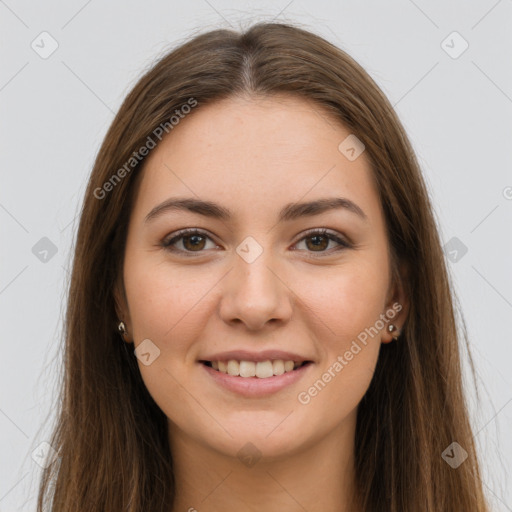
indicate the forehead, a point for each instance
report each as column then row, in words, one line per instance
column 252, row 154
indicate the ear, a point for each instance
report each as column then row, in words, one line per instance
column 121, row 306
column 397, row 304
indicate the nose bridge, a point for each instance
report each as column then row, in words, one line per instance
column 254, row 275
column 255, row 293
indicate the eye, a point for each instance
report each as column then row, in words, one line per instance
column 194, row 240
column 320, row 240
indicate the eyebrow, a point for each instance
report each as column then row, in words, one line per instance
column 291, row 211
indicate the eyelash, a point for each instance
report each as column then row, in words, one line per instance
column 167, row 244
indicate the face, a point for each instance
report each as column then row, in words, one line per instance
column 259, row 279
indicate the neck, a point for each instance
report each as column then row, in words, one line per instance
column 319, row 476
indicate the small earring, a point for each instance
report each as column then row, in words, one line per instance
column 392, row 328
column 122, row 329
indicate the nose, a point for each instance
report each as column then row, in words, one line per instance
column 255, row 294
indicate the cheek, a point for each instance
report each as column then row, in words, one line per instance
column 168, row 308
column 349, row 304
column 349, row 299
column 165, row 302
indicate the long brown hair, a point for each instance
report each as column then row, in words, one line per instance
column 110, row 435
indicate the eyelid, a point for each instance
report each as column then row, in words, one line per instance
column 325, row 232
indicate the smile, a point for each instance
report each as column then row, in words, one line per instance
column 259, row 369
column 254, row 379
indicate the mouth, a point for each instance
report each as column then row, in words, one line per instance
column 255, row 369
column 256, row 379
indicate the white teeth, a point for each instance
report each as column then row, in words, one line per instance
column 260, row 369
column 278, row 367
column 247, row 368
column 264, row 369
column 233, row 367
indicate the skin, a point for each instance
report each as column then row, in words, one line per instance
column 253, row 156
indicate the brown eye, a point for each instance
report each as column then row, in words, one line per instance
column 192, row 240
column 318, row 241
column 195, row 241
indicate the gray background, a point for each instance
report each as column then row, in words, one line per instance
column 56, row 110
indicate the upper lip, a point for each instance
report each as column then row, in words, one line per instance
column 247, row 355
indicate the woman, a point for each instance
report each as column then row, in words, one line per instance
column 257, row 228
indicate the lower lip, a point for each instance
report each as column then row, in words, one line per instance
column 253, row 387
